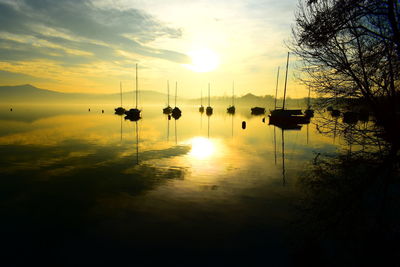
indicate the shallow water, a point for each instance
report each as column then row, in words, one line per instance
column 81, row 187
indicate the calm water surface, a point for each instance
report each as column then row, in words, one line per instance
column 81, row 187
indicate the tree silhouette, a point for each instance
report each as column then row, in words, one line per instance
column 351, row 49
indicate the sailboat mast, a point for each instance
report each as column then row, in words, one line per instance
column 276, row 88
column 176, row 91
column 233, row 92
column 168, row 93
column 284, row 93
column 120, row 89
column 308, row 101
column 136, row 85
column 209, row 94
column 201, row 97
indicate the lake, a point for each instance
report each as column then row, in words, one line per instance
column 80, row 187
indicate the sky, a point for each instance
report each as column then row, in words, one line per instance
column 92, row 46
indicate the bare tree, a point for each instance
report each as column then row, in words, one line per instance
column 351, row 49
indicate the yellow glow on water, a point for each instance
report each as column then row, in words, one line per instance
column 203, row 60
column 201, row 148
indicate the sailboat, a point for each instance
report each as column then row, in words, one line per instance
column 309, row 112
column 334, row 112
column 176, row 112
column 168, row 109
column 287, row 117
column 209, row 109
column 232, row 109
column 120, row 110
column 257, row 111
column 201, row 108
column 134, row 113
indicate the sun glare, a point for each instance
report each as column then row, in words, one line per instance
column 201, row 148
column 203, row 60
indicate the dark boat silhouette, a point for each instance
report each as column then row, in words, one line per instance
column 231, row 109
column 334, row 112
column 257, row 111
column 309, row 112
column 201, row 108
column 287, row 117
column 167, row 110
column 176, row 112
column 134, row 113
column 120, row 110
column 209, row 109
column 176, row 115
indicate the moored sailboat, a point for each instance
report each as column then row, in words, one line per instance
column 134, row 113
column 176, row 112
column 257, row 111
column 287, row 117
column 201, row 108
column 209, row 109
column 309, row 112
column 120, row 110
column 167, row 110
column 231, row 109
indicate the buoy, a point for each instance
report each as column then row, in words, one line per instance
column 102, row 111
column 263, row 120
column 89, row 109
column 10, row 109
column 243, row 125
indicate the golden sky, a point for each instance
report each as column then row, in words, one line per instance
column 90, row 46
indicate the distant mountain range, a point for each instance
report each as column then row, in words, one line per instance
column 31, row 94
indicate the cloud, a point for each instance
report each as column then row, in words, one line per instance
column 10, row 77
column 76, row 32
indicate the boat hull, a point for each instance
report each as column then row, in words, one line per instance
column 285, row 112
column 133, row 114
column 209, row 111
column 120, row 111
column 231, row 110
column 167, row 110
column 289, row 120
column 257, row 111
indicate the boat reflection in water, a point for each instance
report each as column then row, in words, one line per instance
column 137, row 141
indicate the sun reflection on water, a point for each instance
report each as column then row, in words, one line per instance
column 202, row 148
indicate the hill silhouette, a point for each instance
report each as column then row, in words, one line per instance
column 30, row 94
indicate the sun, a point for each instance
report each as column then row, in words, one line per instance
column 203, row 60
